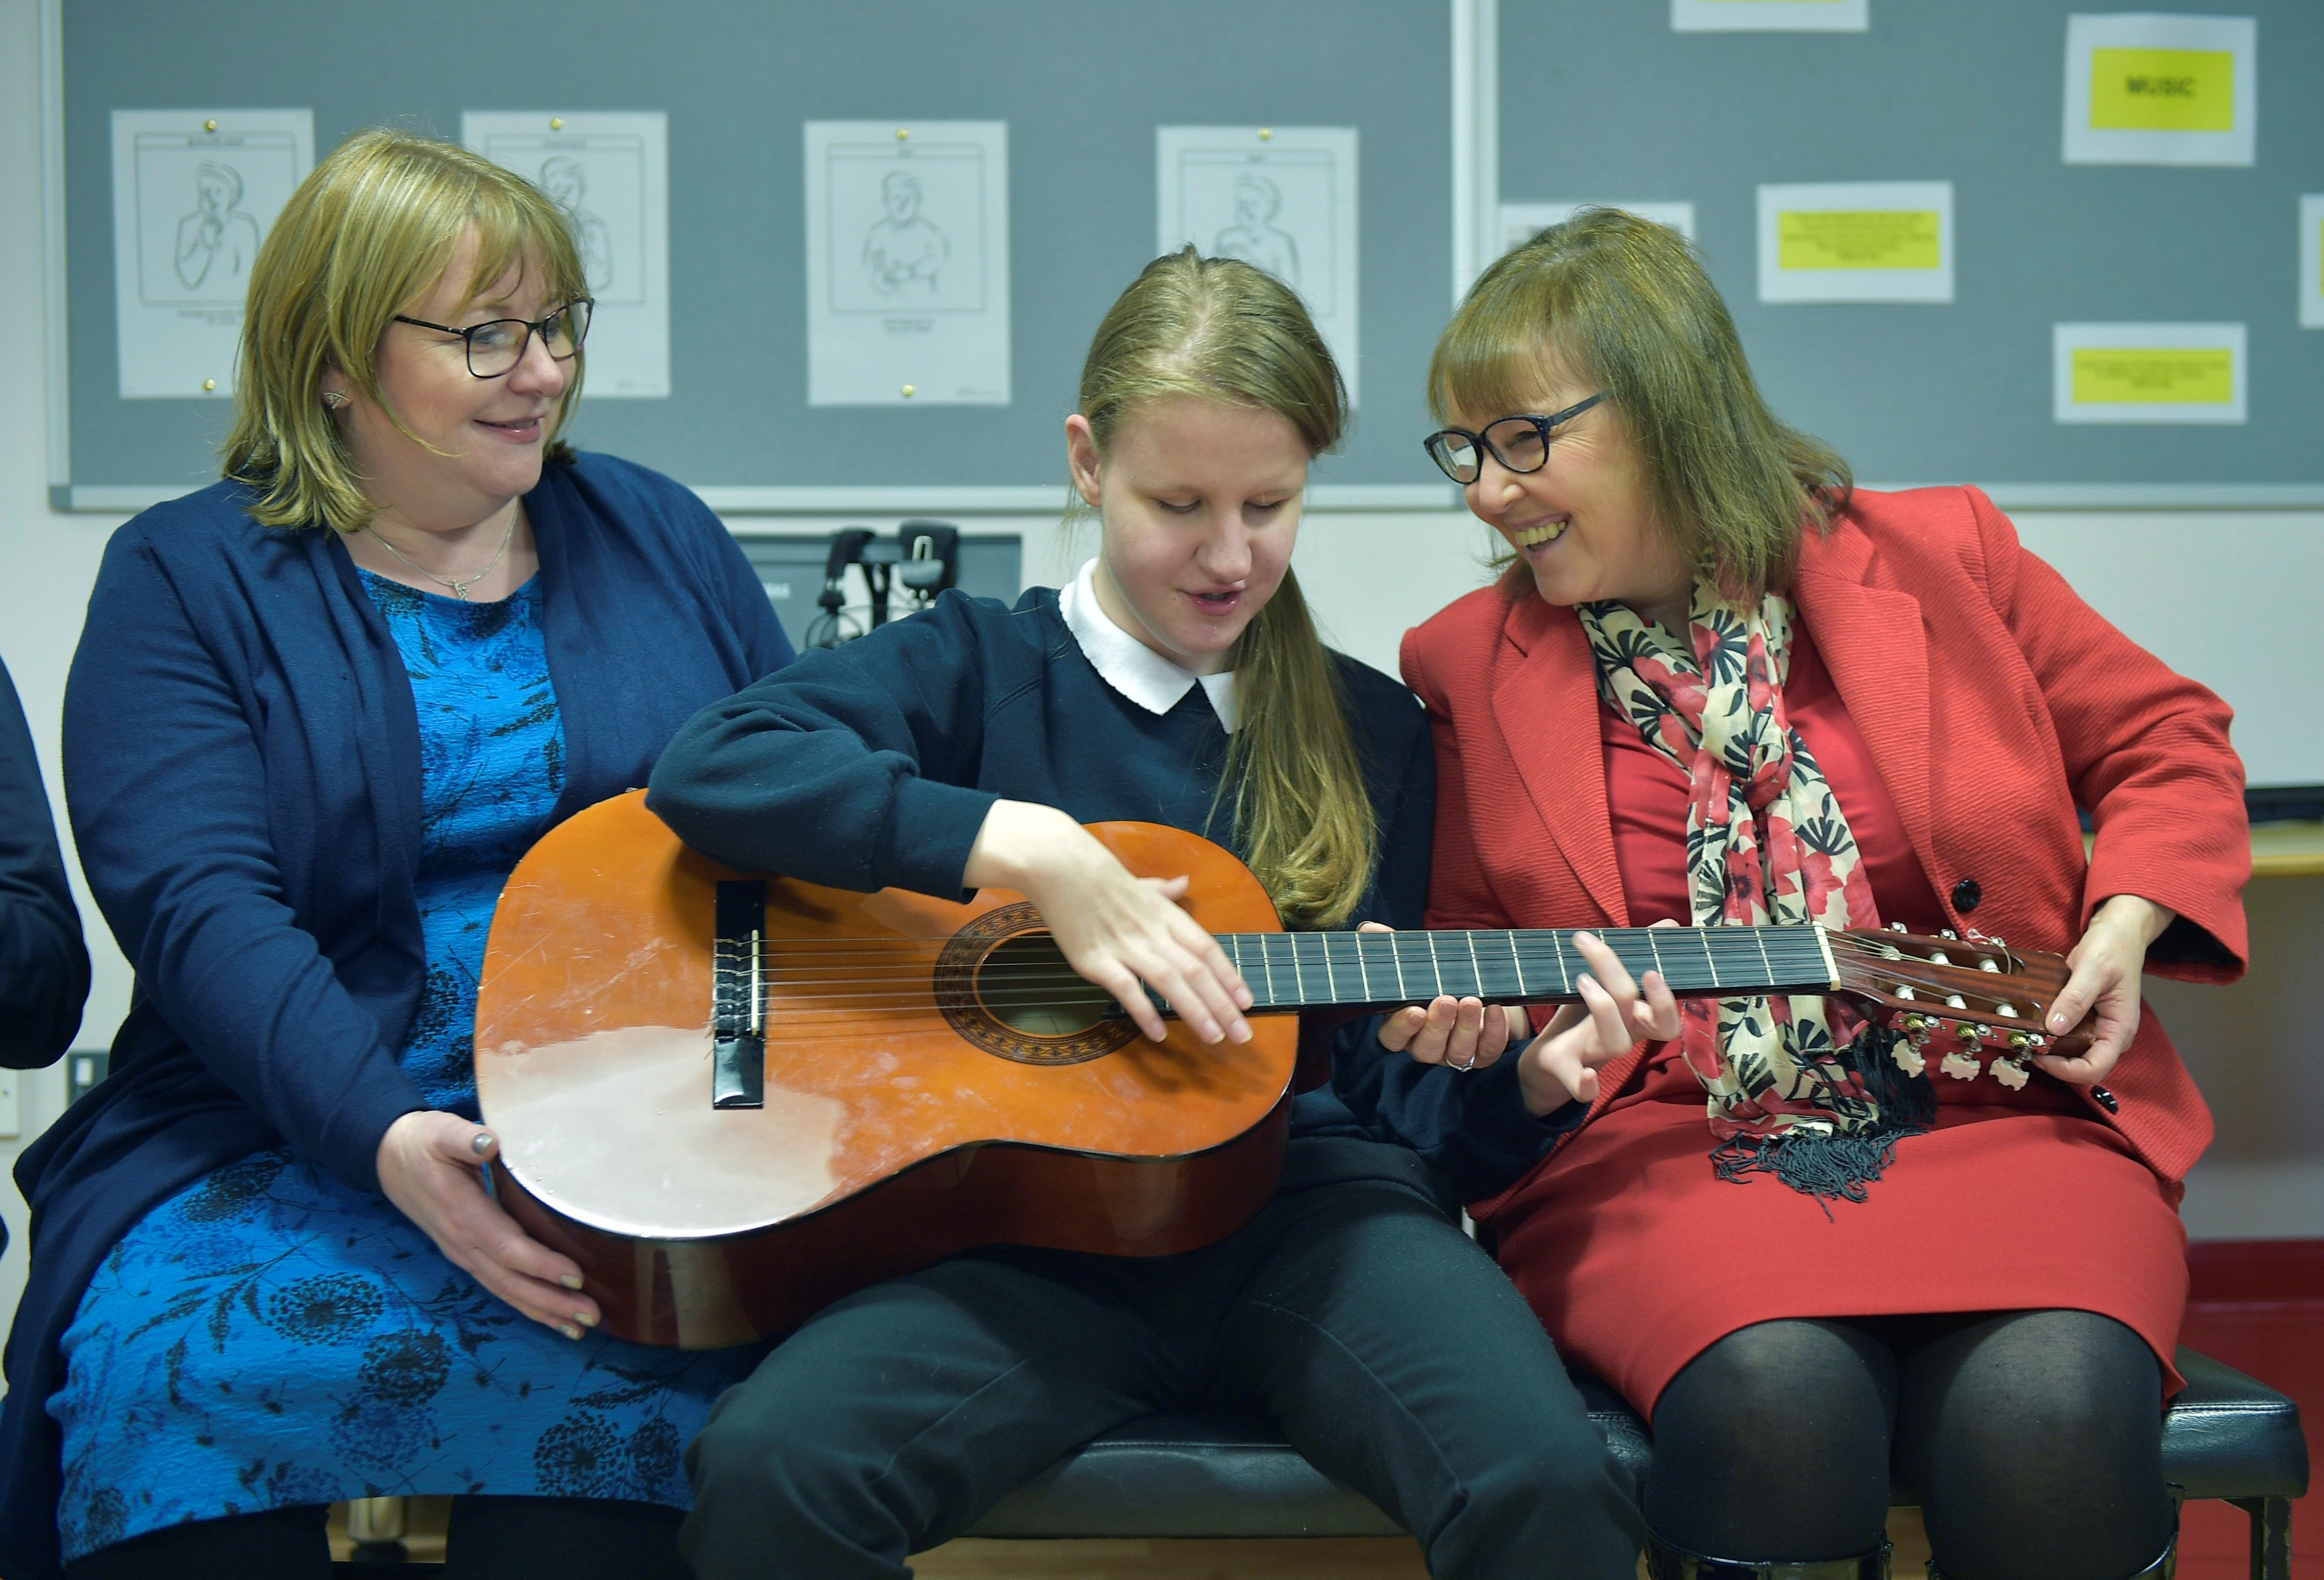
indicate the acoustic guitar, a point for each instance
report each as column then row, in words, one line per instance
column 733, row 1097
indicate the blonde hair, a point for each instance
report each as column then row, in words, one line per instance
column 1626, row 305
column 1221, row 330
column 369, row 232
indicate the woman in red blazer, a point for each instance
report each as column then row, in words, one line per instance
column 1717, row 686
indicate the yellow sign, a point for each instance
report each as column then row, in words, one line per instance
column 2163, row 90
column 1857, row 238
column 2153, row 376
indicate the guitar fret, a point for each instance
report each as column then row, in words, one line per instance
column 1287, row 971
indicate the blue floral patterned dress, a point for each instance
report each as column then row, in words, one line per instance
column 270, row 1337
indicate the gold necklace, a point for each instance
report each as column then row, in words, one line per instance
column 459, row 588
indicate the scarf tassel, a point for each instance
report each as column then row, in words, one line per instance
column 1839, row 1165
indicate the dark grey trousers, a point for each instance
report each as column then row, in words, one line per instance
column 1352, row 1312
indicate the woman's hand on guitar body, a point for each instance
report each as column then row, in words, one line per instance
column 2107, row 964
column 1124, row 933
column 430, row 1166
column 1561, row 1065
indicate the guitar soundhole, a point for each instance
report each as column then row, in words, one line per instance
column 1003, row 986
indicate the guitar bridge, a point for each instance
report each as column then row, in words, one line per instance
column 738, row 1058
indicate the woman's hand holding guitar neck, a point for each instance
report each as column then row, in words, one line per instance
column 1122, row 933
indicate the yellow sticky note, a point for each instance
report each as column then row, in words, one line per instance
column 2163, row 90
column 1857, row 238
column 2153, row 376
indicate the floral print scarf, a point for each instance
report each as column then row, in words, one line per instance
column 1799, row 1086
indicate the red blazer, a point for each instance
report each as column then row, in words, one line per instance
column 1993, row 700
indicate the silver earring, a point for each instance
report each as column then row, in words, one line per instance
column 335, row 399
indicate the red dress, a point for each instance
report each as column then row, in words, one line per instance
column 1637, row 1256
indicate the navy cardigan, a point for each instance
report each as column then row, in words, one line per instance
column 242, row 765
column 43, row 965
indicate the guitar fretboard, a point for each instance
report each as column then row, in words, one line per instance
column 1289, row 971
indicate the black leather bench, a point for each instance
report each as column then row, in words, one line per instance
column 2227, row 1436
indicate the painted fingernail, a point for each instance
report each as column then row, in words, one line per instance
column 568, row 1330
column 585, row 1318
column 571, row 1281
column 481, row 1143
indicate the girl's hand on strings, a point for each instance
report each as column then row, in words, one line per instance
column 1123, row 933
column 1460, row 1033
column 1615, row 1014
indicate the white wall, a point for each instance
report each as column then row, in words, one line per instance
column 2196, row 588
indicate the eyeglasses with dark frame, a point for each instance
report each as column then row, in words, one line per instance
column 495, row 349
column 1520, row 444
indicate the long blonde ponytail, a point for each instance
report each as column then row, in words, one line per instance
column 1221, row 330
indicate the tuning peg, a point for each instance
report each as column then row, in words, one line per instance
column 1895, row 927
column 1948, row 933
column 2011, row 1073
column 1970, row 1035
column 1960, row 1064
column 1908, row 1056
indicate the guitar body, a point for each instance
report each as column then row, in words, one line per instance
column 904, row 1117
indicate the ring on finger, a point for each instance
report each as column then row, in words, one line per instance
column 1464, row 1066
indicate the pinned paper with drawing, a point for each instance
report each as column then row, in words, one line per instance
column 2148, row 373
column 2162, row 90
column 1521, row 222
column 194, row 194
column 1281, row 198
column 1770, row 15
column 1856, row 242
column 608, row 170
column 907, row 263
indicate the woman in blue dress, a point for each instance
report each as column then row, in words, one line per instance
column 317, row 712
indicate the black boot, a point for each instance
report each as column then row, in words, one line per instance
column 1665, row 1562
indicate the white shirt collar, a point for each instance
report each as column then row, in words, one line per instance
column 1128, row 665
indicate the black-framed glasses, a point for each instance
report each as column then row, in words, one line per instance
column 496, row 348
column 1520, row 444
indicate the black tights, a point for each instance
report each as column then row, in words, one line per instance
column 2034, row 1439
column 490, row 1538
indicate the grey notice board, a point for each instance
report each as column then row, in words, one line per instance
column 1604, row 102
column 1082, row 88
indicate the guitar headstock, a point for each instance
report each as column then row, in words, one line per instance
column 1958, row 998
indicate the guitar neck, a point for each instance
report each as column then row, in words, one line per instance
column 1377, row 970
